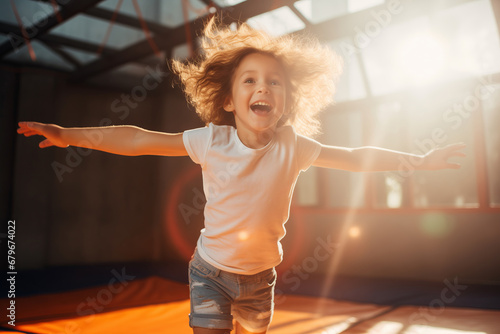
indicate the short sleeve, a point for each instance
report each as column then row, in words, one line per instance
column 307, row 151
column 196, row 142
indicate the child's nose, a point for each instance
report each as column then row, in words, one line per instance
column 264, row 89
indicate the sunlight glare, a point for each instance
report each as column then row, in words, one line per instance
column 414, row 329
column 340, row 327
column 386, row 327
column 420, row 59
column 394, row 192
column 357, row 5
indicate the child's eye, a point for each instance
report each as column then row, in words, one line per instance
column 275, row 83
column 249, row 80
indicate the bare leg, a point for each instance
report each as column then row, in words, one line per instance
column 198, row 330
column 241, row 330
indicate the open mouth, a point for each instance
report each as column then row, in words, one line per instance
column 261, row 107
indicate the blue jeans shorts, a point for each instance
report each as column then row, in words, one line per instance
column 218, row 296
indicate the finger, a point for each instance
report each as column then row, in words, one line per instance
column 45, row 143
column 22, row 124
column 32, row 125
column 22, row 130
column 25, row 127
column 29, row 133
column 25, row 124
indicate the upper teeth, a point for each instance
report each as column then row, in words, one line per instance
column 261, row 104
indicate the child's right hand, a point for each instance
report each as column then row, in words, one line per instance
column 51, row 132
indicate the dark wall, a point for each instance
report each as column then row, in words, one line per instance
column 75, row 206
column 8, row 115
column 427, row 246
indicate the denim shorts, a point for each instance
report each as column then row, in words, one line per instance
column 217, row 296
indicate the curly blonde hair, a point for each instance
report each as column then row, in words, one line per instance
column 310, row 68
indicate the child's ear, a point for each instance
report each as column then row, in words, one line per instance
column 228, row 104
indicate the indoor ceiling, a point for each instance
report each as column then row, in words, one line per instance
column 91, row 39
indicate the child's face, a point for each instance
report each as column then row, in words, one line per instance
column 258, row 94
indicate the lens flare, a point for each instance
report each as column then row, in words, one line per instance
column 436, row 225
column 354, row 232
column 243, row 235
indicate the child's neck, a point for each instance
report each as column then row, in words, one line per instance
column 255, row 140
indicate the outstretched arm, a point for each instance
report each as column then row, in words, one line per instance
column 123, row 140
column 374, row 159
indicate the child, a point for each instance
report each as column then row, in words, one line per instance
column 259, row 97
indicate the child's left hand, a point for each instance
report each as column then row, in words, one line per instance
column 437, row 158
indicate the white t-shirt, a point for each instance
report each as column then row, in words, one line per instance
column 248, row 194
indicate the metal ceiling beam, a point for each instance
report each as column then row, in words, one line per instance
column 63, row 54
column 127, row 20
column 211, row 3
column 136, row 51
column 245, row 10
column 76, row 44
column 42, row 26
column 62, row 41
column 6, row 28
column 124, row 19
column 107, row 62
column 496, row 12
column 300, row 16
column 177, row 36
column 335, row 28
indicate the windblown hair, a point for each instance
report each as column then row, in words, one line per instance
column 310, row 69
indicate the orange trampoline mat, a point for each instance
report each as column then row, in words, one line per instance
column 156, row 305
column 426, row 320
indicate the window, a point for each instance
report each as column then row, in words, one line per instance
column 491, row 119
column 345, row 189
column 389, row 131
column 456, row 43
column 318, row 11
column 421, row 82
column 277, row 22
column 351, row 85
column 430, row 124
